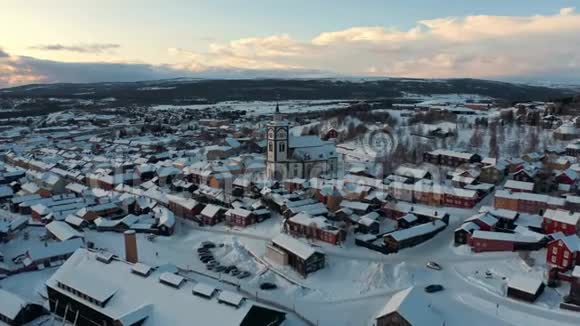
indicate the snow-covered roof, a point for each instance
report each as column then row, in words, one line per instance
column 312, row 209
column 11, row 304
column 307, row 220
column 417, row 230
column 450, row 153
column 53, row 249
column 231, row 298
column 141, row 269
column 519, row 185
column 97, row 288
column 165, row 217
column 354, row 205
column 170, row 306
column 525, row 283
column 204, row 289
column 305, row 141
column 562, row 216
column 501, row 236
column 62, row 231
column 500, row 212
column 406, row 171
column 469, row 226
column 211, row 210
column 486, row 218
column 295, row 246
column 171, row 279
column 413, row 305
column 528, row 196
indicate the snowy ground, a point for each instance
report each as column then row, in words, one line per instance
column 265, row 108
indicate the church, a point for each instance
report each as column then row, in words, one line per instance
column 290, row 156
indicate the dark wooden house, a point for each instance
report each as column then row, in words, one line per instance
column 300, row 256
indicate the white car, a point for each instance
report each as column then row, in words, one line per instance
column 434, row 265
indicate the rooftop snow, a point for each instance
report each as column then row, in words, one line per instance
column 171, row 306
column 413, row 305
column 525, row 284
column 11, row 304
column 62, row 230
column 294, row 246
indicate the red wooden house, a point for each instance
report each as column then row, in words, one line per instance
column 482, row 241
column 240, row 217
column 314, row 227
column 523, row 175
column 559, row 220
column 564, row 252
column 455, row 197
column 568, row 177
column 212, row 214
column 184, row 207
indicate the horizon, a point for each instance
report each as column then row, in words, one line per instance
column 515, row 42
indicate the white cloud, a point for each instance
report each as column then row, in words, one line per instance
column 471, row 46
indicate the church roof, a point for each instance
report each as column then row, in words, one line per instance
column 306, row 141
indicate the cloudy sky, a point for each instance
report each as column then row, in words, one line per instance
column 124, row 40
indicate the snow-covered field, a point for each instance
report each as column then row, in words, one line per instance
column 264, row 108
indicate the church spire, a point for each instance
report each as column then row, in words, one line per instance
column 277, row 115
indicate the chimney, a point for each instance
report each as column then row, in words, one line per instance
column 131, row 246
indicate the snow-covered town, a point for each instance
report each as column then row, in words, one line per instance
column 289, row 163
column 448, row 209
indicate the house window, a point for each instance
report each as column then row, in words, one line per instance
column 555, row 250
column 282, row 147
column 270, row 146
column 553, row 259
column 565, row 262
column 566, row 254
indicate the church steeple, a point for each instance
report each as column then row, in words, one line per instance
column 277, row 115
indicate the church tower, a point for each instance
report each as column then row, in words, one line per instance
column 277, row 149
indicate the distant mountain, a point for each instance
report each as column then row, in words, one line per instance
column 193, row 90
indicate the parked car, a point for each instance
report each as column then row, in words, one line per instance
column 433, row 288
column 488, row 274
column 230, row 268
column 268, row 286
column 235, row 272
column 434, row 265
column 220, row 269
column 244, row 274
column 213, row 265
column 208, row 244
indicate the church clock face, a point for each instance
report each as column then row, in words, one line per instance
column 271, row 134
column 282, row 134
